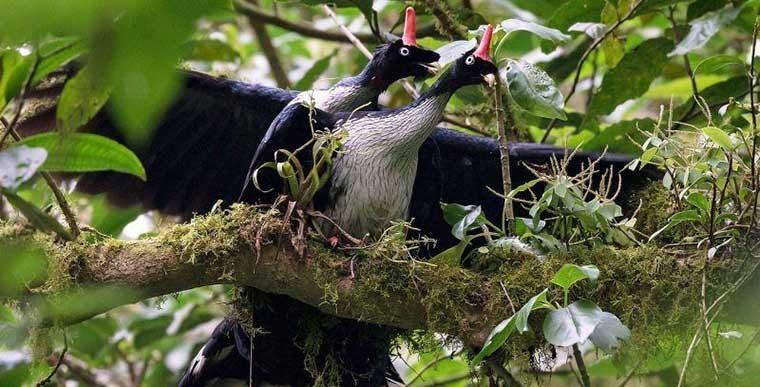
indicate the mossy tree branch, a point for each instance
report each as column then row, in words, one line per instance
column 648, row 289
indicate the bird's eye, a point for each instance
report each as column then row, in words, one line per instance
column 470, row 60
column 403, row 51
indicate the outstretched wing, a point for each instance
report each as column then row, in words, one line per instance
column 290, row 130
column 198, row 154
column 458, row 168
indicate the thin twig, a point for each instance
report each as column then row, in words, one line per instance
column 581, row 365
column 630, row 374
column 585, row 56
column 447, row 24
column 254, row 13
column 270, row 52
column 753, row 167
column 433, row 364
column 58, row 363
column 68, row 214
column 503, row 121
column 502, row 372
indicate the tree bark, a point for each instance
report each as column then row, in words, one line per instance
column 380, row 284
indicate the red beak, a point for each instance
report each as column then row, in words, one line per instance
column 410, row 28
column 485, row 45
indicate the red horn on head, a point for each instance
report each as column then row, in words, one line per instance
column 410, row 28
column 485, row 45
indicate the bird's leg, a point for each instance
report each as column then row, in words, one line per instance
column 333, row 241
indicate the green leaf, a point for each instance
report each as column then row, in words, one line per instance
column 454, row 50
column 210, row 50
column 38, row 218
column 575, row 11
column 15, row 69
column 699, row 200
column 462, row 218
column 608, row 332
column 451, row 256
column 704, row 28
column 593, row 30
column 19, row 164
column 570, row 274
column 631, row 77
column 572, row 325
column 496, row 339
column 678, row 218
column 534, row 91
column 551, row 34
column 83, row 152
column 317, row 69
column 82, row 97
column 536, row 302
column 56, row 53
column 719, row 137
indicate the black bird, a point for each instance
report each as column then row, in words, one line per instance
column 290, row 129
column 217, row 124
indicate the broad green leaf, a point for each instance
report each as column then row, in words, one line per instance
column 575, row 11
column 19, row 164
column 82, row 97
column 701, row 7
column 451, row 256
column 523, row 187
column 210, row 50
column 719, row 137
column 462, row 218
column 534, row 91
column 608, row 332
column 551, row 34
column 570, row 274
column 536, row 302
column 38, row 218
column 572, row 325
column 317, row 69
column 593, row 30
column 699, row 200
column 496, row 339
column 614, row 51
column 83, row 152
column 15, row 69
column 55, row 53
column 681, row 217
column 704, row 28
column 717, row 64
column 631, row 77
column 454, row 50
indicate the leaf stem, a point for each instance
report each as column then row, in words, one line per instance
column 581, row 365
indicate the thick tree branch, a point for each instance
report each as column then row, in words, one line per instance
column 381, row 283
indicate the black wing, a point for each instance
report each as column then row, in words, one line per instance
column 458, row 168
column 219, row 359
column 290, row 130
column 198, row 154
